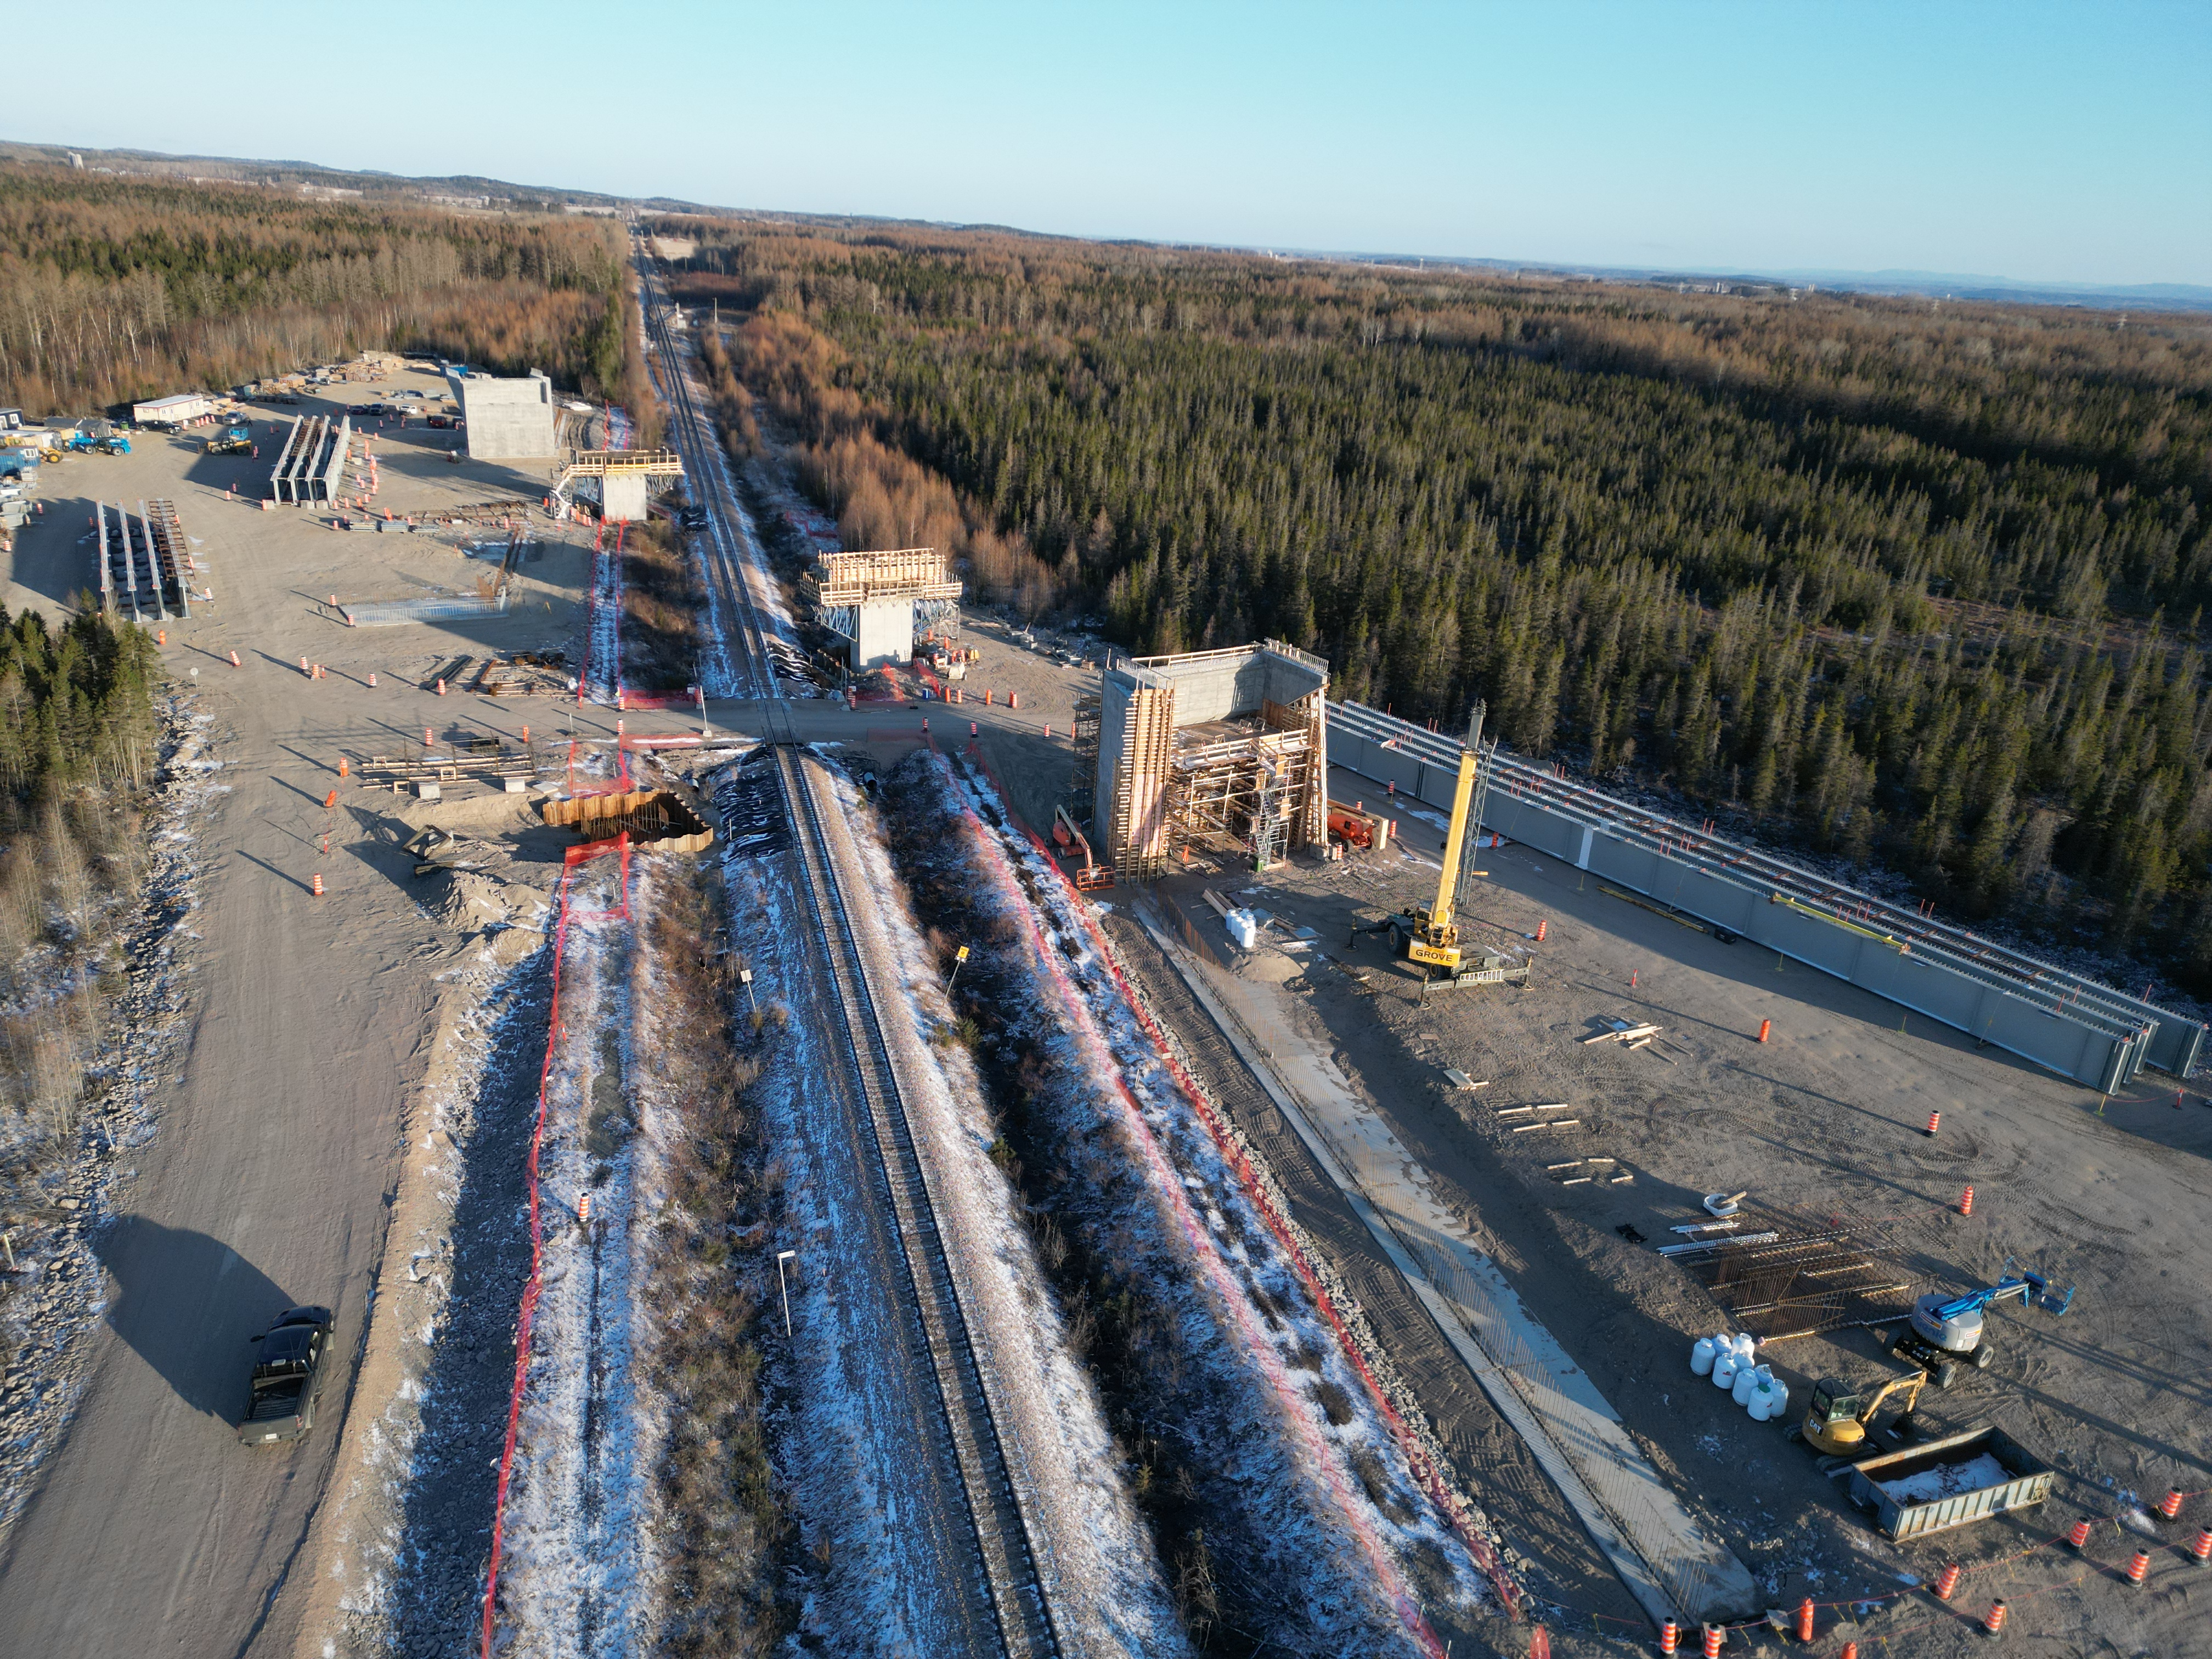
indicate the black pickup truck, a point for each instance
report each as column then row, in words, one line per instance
column 280, row 1404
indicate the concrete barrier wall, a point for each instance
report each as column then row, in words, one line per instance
column 2091, row 1034
column 1923, row 983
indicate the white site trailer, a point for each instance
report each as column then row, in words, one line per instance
column 178, row 409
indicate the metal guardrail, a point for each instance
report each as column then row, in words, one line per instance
column 1998, row 996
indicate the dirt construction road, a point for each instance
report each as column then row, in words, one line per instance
column 279, row 1106
column 264, row 1189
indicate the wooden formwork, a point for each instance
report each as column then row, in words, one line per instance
column 1137, row 836
column 658, row 817
column 916, row 572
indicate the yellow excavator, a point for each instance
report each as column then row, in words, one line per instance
column 1840, row 1420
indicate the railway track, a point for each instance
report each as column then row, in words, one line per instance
column 1011, row 1598
column 755, row 667
column 999, row 1503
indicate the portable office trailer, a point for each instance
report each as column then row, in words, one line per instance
column 174, row 410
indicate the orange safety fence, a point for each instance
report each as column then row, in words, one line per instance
column 526, row 1315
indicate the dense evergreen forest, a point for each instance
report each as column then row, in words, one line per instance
column 113, row 290
column 75, row 706
column 1902, row 581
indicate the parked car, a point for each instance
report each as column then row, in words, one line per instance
column 280, row 1403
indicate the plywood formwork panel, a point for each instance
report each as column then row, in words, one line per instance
column 1136, row 806
column 853, row 579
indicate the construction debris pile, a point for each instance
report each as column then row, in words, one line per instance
column 1637, row 1036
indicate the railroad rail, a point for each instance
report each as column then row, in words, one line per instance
column 1000, row 1504
column 694, row 433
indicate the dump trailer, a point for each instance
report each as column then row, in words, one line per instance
column 1952, row 1482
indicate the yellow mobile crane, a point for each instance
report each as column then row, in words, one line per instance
column 1431, row 936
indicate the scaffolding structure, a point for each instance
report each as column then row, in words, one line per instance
column 1216, row 752
column 1083, row 737
column 648, row 463
column 841, row 580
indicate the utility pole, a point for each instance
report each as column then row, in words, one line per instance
column 782, row 1256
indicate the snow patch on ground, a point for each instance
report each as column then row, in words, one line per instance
column 1947, row 1480
column 574, row 1576
column 842, row 1438
column 1089, row 1534
column 603, row 627
column 1345, row 1515
column 376, row 1552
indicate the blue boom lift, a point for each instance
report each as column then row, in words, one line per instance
column 1945, row 1331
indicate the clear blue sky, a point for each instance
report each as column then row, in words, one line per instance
column 2051, row 142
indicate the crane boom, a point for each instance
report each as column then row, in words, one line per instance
column 1433, row 937
column 1440, row 914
